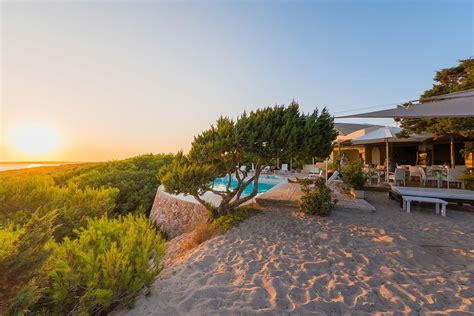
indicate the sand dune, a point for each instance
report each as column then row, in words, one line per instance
column 280, row 262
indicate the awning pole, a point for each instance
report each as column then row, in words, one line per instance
column 388, row 161
column 453, row 160
column 326, row 173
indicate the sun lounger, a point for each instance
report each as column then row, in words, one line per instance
column 437, row 202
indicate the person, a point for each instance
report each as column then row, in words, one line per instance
column 343, row 160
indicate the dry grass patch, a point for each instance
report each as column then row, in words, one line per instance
column 205, row 231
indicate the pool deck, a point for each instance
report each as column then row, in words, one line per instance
column 288, row 194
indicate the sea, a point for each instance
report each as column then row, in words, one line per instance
column 16, row 166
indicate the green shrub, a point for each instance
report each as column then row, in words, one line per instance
column 316, row 199
column 226, row 222
column 469, row 180
column 23, row 255
column 21, row 196
column 106, row 266
column 353, row 175
column 135, row 178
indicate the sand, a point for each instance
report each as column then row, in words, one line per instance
column 280, row 262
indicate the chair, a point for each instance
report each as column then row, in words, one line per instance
column 414, row 172
column 397, row 176
column 334, row 176
column 454, row 175
column 426, row 177
column 284, row 167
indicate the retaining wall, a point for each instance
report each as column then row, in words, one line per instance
column 175, row 215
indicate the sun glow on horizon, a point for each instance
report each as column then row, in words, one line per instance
column 34, row 139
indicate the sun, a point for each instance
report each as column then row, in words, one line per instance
column 34, row 139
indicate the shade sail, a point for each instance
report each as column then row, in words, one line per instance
column 461, row 105
column 388, row 133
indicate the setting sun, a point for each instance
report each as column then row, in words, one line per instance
column 34, row 139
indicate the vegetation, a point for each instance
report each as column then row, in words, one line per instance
column 469, row 181
column 66, row 248
column 205, row 231
column 21, row 196
column 263, row 135
column 448, row 80
column 316, row 199
column 135, row 178
column 106, row 266
column 24, row 252
column 353, row 175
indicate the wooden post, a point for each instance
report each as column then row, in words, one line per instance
column 326, row 173
column 453, row 159
column 386, row 159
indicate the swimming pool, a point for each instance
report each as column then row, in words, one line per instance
column 265, row 183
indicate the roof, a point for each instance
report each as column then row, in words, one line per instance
column 345, row 129
column 459, row 94
column 458, row 104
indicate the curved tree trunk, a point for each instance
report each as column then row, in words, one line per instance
column 231, row 199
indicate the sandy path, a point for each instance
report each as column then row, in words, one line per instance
column 279, row 263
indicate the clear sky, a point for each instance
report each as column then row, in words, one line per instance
column 100, row 80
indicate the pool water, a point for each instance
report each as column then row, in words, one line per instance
column 265, row 183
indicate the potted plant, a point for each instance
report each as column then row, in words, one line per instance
column 355, row 178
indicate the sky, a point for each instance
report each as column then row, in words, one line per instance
column 102, row 80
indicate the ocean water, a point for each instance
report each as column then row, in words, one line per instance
column 16, row 166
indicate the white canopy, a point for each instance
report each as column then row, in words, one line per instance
column 389, row 134
column 460, row 104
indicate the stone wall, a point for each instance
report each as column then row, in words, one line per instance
column 174, row 215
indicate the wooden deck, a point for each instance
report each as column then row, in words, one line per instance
column 288, row 194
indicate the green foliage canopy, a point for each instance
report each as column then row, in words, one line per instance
column 448, row 80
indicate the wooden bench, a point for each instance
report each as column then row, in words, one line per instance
column 437, row 202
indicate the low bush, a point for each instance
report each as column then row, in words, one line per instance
column 106, row 266
column 469, row 181
column 24, row 253
column 353, row 175
column 135, row 178
column 21, row 196
column 222, row 224
column 316, row 199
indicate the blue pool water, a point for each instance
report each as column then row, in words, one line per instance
column 265, row 183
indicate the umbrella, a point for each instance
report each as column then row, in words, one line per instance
column 387, row 134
